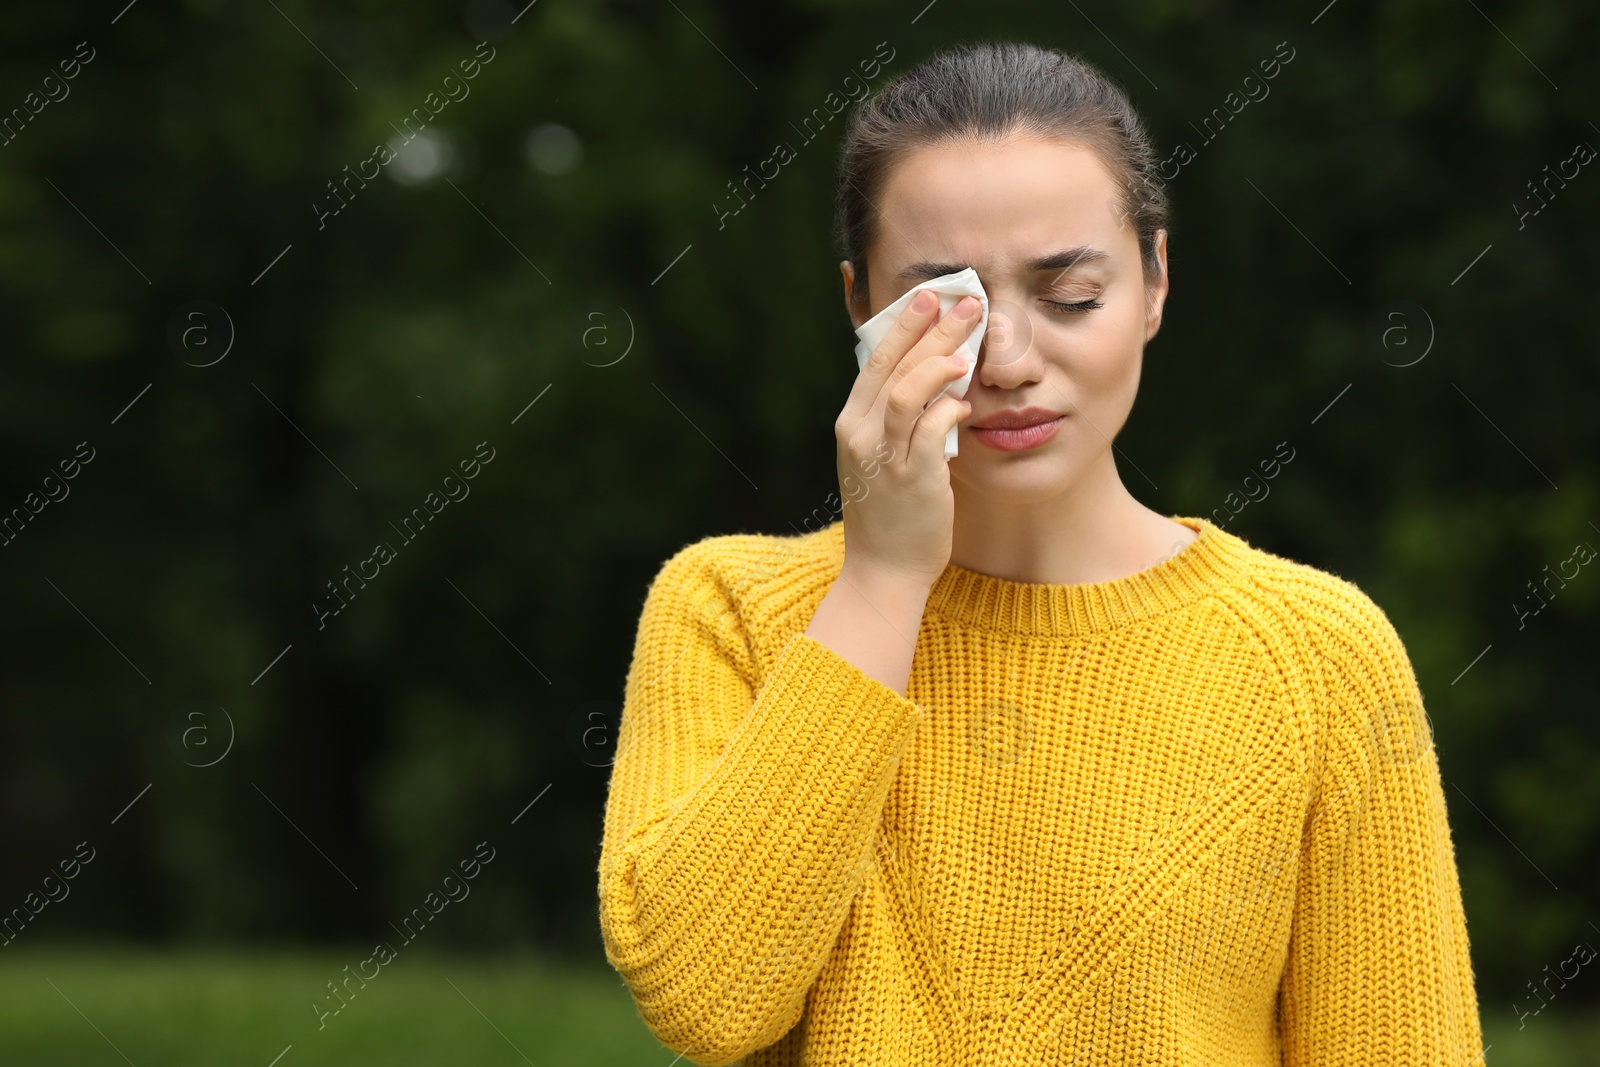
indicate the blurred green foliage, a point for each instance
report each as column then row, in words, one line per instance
column 374, row 353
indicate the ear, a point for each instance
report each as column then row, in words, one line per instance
column 848, row 269
column 1156, row 295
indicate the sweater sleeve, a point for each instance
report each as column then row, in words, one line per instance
column 740, row 814
column 1378, row 970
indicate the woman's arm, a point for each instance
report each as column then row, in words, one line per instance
column 740, row 815
column 1379, row 970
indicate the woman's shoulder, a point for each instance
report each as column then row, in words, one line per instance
column 775, row 569
column 1335, row 616
column 1356, row 662
column 1319, row 593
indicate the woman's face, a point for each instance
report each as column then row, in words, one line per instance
column 1038, row 219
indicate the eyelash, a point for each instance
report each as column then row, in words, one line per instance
column 1085, row 305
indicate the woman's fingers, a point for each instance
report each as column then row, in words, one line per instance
column 908, row 329
column 924, row 371
column 907, row 400
column 927, row 437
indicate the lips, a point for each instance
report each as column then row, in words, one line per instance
column 1016, row 419
column 1021, row 438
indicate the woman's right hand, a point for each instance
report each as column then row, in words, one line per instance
column 900, row 510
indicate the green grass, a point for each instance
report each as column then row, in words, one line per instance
column 213, row 1008
column 225, row 1008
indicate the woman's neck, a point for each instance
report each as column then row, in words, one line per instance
column 1095, row 531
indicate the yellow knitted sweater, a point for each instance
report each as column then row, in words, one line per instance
column 1188, row 817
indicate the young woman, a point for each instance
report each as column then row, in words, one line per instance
column 1005, row 767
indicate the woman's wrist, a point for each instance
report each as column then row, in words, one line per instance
column 877, row 583
column 871, row 618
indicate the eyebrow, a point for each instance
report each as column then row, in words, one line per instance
column 1067, row 257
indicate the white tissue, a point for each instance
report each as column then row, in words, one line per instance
column 950, row 289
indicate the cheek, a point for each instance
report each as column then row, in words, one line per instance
column 1123, row 339
column 1100, row 354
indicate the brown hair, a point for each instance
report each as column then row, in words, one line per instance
column 989, row 91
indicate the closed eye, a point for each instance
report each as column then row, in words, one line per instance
column 1082, row 305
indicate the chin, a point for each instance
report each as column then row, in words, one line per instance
column 1012, row 478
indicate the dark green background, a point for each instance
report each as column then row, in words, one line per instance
column 444, row 699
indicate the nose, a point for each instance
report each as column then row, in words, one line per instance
column 1006, row 358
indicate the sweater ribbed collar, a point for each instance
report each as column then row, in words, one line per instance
column 1212, row 560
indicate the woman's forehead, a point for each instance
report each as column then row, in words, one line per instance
column 1006, row 204
column 1071, row 221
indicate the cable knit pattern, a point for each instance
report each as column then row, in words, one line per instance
column 1188, row 817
